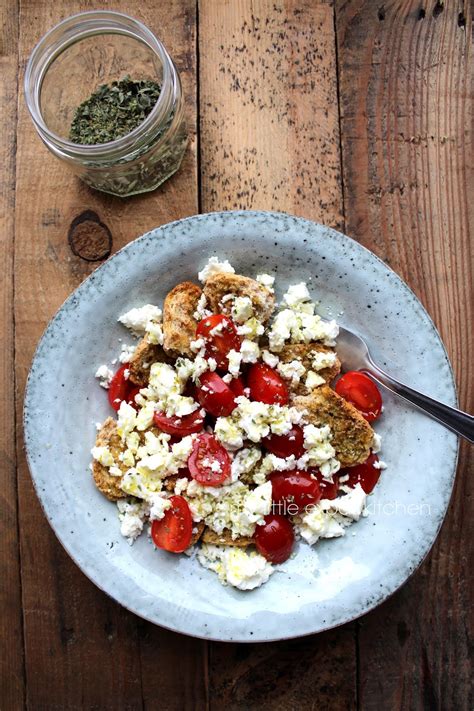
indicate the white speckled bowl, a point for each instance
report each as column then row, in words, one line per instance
column 321, row 587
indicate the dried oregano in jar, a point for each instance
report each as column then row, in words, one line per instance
column 106, row 98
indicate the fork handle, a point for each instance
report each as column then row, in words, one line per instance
column 455, row 420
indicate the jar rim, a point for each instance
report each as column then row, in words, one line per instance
column 43, row 55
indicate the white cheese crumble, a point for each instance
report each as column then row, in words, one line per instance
column 142, row 319
column 242, row 309
column 270, row 359
column 235, row 359
column 103, row 455
column 379, row 465
column 313, row 380
column 104, row 376
column 126, row 353
column 266, row 280
column 292, row 371
column 214, row 266
column 252, row 328
column 298, row 323
column 254, row 420
column 322, row 359
column 329, row 519
column 201, row 310
column 319, row 450
column 376, row 443
column 132, row 516
column 249, row 351
column 235, row 566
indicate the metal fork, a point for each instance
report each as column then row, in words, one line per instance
column 354, row 354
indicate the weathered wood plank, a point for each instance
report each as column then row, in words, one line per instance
column 11, row 635
column 270, row 140
column 268, row 108
column 83, row 650
column 405, row 83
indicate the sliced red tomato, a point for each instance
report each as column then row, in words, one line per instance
column 364, row 474
column 266, row 385
column 275, row 538
column 209, row 463
column 237, row 387
column 179, row 426
column 174, row 531
column 294, row 488
column 121, row 388
column 214, row 395
column 328, row 490
column 220, row 335
column 358, row 389
column 286, row 445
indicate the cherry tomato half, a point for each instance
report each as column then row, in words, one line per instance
column 237, row 387
column 275, row 539
column 296, row 488
column 358, row 389
column 328, row 489
column 286, row 445
column 209, row 463
column 173, row 532
column 121, row 388
column 266, row 385
column 364, row 474
column 179, row 426
column 220, row 335
column 214, row 395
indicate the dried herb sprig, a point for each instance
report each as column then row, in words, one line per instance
column 113, row 110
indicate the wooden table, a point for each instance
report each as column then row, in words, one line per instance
column 354, row 113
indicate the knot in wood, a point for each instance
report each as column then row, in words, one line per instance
column 89, row 237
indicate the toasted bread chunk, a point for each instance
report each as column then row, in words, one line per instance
column 219, row 285
column 106, row 483
column 170, row 482
column 179, row 324
column 145, row 355
column 198, row 529
column 352, row 436
column 225, row 539
column 302, row 352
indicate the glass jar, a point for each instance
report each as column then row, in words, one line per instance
column 70, row 62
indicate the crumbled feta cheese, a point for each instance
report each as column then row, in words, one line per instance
column 251, row 329
column 254, row 420
column 158, row 505
column 126, row 353
column 379, row 465
column 213, row 267
column 352, row 504
column 242, row 309
column 235, row 566
column 313, row 380
column 249, row 351
column 322, row 359
column 270, row 359
column 377, row 443
column 266, row 280
column 235, row 359
column 292, row 371
column 296, row 295
column 244, row 461
column 300, row 327
column 258, row 503
column 132, row 517
column 145, row 416
column 104, row 375
column 103, row 455
column 221, row 508
column 165, row 388
column 319, row 450
column 201, row 310
column 318, row 522
column 139, row 320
